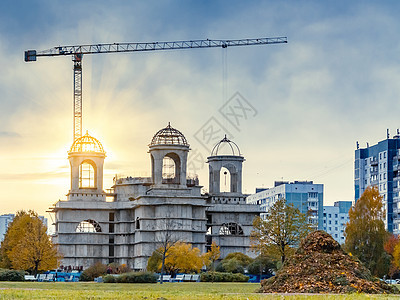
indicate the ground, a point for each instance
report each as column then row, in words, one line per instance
column 170, row 291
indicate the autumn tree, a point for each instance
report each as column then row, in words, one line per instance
column 180, row 257
column 280, row 232
column 27, row 246
column 213, row 255
column 366, row 234
column 166, row 237
column 390, row 247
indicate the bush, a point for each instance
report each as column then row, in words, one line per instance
column 262, row 263
column 96, row 270
column 223, row 277
column 232, row 265
column 109, row 279
column 132, row 277
column 11, row 275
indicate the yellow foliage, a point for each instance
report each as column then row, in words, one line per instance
column 27, row 246
column 181, row 257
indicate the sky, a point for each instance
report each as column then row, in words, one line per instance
column 298, row 108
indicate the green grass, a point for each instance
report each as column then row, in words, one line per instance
column 170, row 291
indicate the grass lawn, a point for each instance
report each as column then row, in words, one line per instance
column 170, row 291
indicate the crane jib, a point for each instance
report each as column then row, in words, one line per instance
column 78, row 51
column 31, row 55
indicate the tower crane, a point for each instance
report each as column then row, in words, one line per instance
column 77, row 53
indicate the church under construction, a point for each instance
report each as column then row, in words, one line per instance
column 144, row 212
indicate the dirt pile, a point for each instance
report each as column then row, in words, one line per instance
column 321, row 266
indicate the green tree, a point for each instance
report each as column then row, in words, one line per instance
column 154, row 262
column 280, row 232
column 366, row 234
column 27, row 246
column 262, row 265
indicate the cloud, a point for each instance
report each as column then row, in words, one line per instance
column 9, row 134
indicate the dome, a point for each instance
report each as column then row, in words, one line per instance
column 225, row 147
column 87, row 143
column 169, row 136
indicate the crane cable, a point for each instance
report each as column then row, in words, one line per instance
column 224, row 58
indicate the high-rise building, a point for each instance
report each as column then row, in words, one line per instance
column 378, row 165
column 5, row 220
column 336, row 218
column 305, row 195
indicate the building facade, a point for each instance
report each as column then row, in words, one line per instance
column 335, row 219
column 378, row 165
column 5, row 220
column 304, row 195
column 126, row 225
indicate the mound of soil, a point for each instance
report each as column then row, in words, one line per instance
column 321, row 266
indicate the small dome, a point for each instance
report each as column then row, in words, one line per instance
column 225, row 147
column 87, row 143
column 169, row 136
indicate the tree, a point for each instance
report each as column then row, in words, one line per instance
column 262, row 265
column 183, row 258
column 365, row 232
column 390, row 247
column 166, row 238
column 213, row 255
column 234, row 262
column 27, row 246
column 282, row 230
column 180, row 257
column 395, row 255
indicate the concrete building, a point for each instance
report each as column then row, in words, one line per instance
column 379, row 165
column 305, row 195
column 129, row 223
column 336, row 218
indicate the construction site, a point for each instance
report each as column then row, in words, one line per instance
column 137, row 214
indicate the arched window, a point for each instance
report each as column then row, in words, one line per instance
column 168, row 171
column 87, row 175
column 230, row 229
column 171, row 168
column 225, row 180
column 88, row 226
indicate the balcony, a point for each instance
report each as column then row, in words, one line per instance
column 374, row 162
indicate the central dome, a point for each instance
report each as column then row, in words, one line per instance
column 87, row 143
column 169, row 136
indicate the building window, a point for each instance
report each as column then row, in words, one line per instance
column 87, row 175
column 231, row 229
column 88, row 226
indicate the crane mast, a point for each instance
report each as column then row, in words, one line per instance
column 77, row 53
